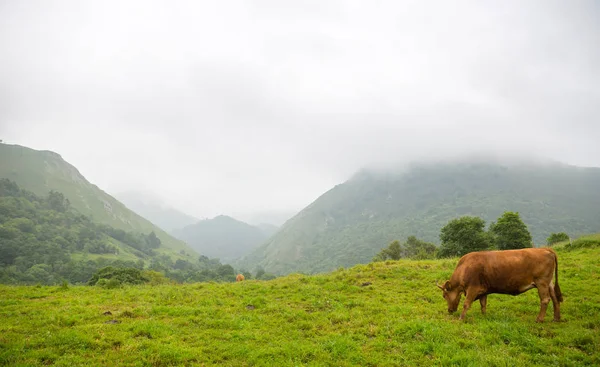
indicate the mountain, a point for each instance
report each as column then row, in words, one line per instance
column 151, row 208
column 267, row 228
column 40, row 171
column 273, row 217
column 351, row 222
column 222, row 237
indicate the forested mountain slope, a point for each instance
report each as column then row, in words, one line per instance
column 44, row 240
column 42, row 171
column 351, row 222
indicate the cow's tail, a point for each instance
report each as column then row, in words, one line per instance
column 557, row 291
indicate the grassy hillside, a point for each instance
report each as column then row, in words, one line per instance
column 42, row 171
column 350, row 223
column 400, row 318
column 222, row 237
column 162, row 215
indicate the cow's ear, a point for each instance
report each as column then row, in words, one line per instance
column 447, row 285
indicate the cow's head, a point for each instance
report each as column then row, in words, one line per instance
column 451, row 295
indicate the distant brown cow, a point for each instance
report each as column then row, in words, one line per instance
column 513, row 272
column 239, row 277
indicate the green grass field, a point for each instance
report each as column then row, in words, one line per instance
column 324, row 320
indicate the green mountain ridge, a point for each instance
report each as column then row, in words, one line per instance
column 222, row 237
column 40, row 171
column 351, row 222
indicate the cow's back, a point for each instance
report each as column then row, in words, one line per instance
column 508, row 271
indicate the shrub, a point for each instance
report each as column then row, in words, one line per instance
column 113, row 283
column 557, row 237
column 583, row 243
column 121, row 275
column 155, row 277
column 414, row 248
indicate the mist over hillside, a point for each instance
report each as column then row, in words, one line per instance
column 268, row 229
column 222, row 237
column 350, row 222
column 302, row 97
column 272, row 217
column 155, row 210
column 267, row 111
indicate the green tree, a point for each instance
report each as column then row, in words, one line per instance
column 22, row 224
column 463, row 235
column 57, row 201
column 418, row 249
column 182, row 265
column 226, row 272
column 394, row 252
column 9, row 188
column 557, row 237
column 510, row 232
column 153, row 241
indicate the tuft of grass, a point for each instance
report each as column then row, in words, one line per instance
column 399, row 318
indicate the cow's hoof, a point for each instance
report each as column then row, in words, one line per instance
column 539, row 320
column 556, row 320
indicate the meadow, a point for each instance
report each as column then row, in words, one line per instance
column 379, row 314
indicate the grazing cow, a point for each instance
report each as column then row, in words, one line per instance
column 513, row 272
column 239, row 277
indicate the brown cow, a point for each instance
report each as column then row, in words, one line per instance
column 513, row 272
column 239, row 277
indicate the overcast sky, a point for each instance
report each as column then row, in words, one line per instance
column 240, row 106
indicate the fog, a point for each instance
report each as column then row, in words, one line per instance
column 255, row 106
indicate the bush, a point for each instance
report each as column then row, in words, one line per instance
column 557, row 237
column 108, row 283
column 113, row 283
column 155, row 277
column 414, row 248
column 583, row 243
column 120, row 275
column 393, row 252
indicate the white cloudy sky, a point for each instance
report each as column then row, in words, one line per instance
column 241, row 106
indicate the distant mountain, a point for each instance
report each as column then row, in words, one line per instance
column 222, row 237
column 351, row 222
column 40, row 171
column 274, row 217
column 267, row 229
column 153, row 209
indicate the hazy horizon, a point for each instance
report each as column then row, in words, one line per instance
column 260, row 106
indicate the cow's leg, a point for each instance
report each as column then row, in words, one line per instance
column 483, row 302
column 544, row 292
column 555, row 303
column 469, row 298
